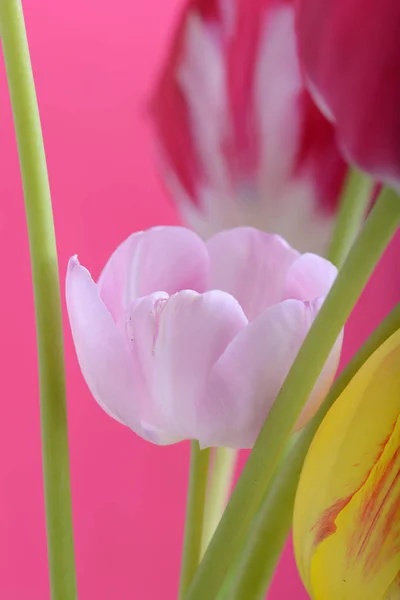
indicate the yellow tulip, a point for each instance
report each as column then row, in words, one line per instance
column 347, row 511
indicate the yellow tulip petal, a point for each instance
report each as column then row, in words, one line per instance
column 351, row 466
column 364, row 553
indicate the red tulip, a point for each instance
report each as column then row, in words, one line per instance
column 351, row 55
column 241, row 141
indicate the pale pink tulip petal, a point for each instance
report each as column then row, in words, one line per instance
column 141, row 322
column 112, row 282
column 251, row 265
column 110, row 371
column 141, row 327
column 309, row 277
column 170, row 259
column 247, row 378
column 166, row 259
column 194, row 330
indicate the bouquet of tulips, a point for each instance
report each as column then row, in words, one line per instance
column 277, row 130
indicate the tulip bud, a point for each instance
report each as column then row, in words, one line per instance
column 347, row 511
column 182, row 339
column 240, row 140
column 351, row 57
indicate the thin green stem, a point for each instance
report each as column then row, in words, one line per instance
column 199, row 461
column 353, row 208
column 220, row 477
column 271, row 526
column 246, row 498
column 47, row 300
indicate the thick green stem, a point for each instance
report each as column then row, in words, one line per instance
column 271, row 526
column 242, row 583
column 199, row 461
column 220, row 478
column 353, row 208
column 246, row 498
column 228, row 589
column 47, row 300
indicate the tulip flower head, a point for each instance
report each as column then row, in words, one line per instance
column 240, row 140
column 347, row 512
column 351, row 57
column 182, row 339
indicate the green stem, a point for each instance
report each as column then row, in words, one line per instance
column 221, row 472
column 228, row 588
column 47, row 300
column 246, row 498
column 271, row 526
column 199, row 461
column 264, row 530
column 353, row 208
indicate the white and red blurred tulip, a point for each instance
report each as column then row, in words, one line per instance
column 350, row 52
column 240, row 142
column 182, row 339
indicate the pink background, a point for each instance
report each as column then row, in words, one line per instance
column 94, row 63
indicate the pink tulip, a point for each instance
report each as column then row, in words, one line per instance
column 240, row 140
column 351, row 55
column 182, row 339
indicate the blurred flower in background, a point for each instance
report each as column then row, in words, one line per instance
column 182, row 339
column 240, row 142
column 347, row 513
column 351, row 56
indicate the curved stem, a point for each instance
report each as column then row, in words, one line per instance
column 353, row 208
column 221, row 473
column 246, row 498
column 47, row 300
column 199, row 460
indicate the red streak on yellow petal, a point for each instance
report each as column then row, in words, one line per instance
column 394, row 515
column 376, row 533
column 372, row 507
column 326, row 526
